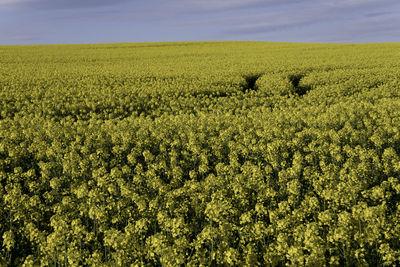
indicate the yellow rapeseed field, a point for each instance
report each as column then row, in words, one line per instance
column 200, row 154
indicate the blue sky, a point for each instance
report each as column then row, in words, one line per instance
column 110, row 21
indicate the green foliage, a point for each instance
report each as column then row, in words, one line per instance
column 171, row 154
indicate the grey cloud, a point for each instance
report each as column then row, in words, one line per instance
column 358, row 7
column 254, row 29
column 354, row 3
column 371, row 29
column 62, row 4
column 211, row 6
column 314, row 14
column 301, row 20
column 23, row 35
column 229, row 4
column 377, row 14
column 274, row 22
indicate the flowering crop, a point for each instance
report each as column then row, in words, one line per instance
column 200, row 153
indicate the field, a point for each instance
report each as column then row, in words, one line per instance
column 200, row 154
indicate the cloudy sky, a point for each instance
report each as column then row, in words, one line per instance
column 109, row 21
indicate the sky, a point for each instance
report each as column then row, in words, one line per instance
column 114, row 21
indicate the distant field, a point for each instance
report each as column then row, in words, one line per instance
column 200, row 154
